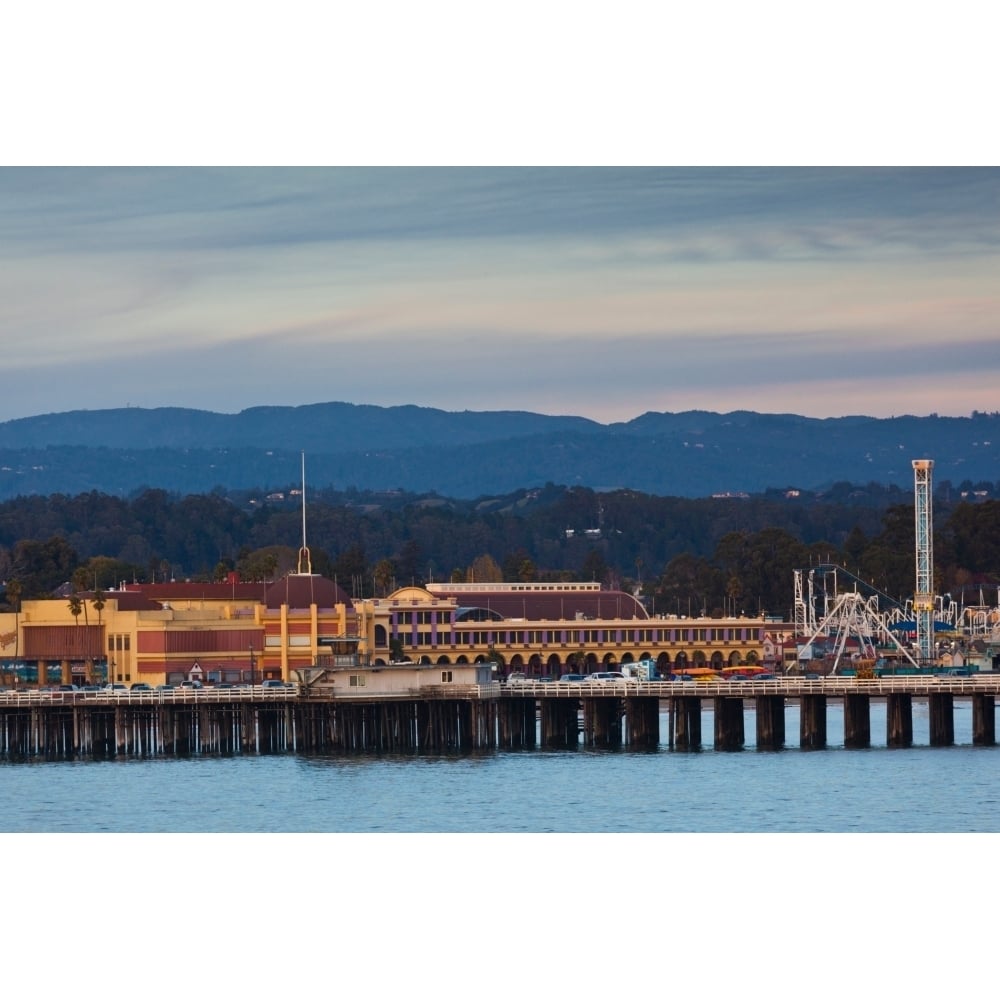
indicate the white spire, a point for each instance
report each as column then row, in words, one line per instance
column 305, row 562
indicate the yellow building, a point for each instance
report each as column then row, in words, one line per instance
column 168, row 632
column 238, row 633
column 545, row 629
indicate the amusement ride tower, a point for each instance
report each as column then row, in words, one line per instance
column 923, row 597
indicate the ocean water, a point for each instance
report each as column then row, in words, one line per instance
column 513, row 873
column 920, row 789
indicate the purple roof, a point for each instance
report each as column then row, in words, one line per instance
column 551, row 605
column 299, row 590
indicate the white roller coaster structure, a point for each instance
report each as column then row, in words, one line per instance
column 857, row 617
column 878, row 616
column 847, row 614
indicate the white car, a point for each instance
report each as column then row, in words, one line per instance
column 606, row 676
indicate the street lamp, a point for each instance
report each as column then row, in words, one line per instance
column 251, row 664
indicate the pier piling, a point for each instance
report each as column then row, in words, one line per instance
column 899, row 720
column 984, row 729
column 812, row 722
column 687, row 723
column 770, row 714
column 857, row 721
column 941, row 710
column 729, row 726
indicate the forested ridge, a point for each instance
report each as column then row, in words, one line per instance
column 712, row 555
column 417, row 449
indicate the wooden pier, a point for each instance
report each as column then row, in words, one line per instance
column 471, row 717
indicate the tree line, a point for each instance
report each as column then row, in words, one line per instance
column 684, row 556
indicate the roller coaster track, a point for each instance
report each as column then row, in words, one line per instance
column 886, row 603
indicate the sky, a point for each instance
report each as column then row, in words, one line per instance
column 599, row 292
column 604, row 291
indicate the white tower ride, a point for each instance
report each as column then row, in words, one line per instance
column 923, row 597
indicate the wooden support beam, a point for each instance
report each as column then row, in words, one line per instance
column 857, row 721
column 941, row 713
column 770, row 716
column 899, row 720
column 812, row 722
column 642, row 722
column 687, row 730
column 729, row 726
column 984, row 726
column 560, row 725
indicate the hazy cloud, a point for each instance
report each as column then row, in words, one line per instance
column 571, row 290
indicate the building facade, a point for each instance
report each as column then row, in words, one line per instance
column 244, row 633
column 547, row 629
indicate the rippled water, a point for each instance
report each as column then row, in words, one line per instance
column 940, row 789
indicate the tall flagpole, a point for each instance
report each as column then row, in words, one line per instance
column 305, row 563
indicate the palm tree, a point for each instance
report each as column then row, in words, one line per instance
column 14, row 591
column 75, row 609
column 98, row 602
column 80, row 585
column 382, row 576
column 734, row 593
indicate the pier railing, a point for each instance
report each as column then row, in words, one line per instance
column 788, row 686
column 176, row 696
column 792, row 687
column 425, row 692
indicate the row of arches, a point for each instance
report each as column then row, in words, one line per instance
column 553, row 665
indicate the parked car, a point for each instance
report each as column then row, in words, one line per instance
column 572, row 678
column 516, row 678
column 606, row 676
column 66, row 688
column 270, row 684
column 140, row 686
column 190, row 685
column 114, row 689
column 165, row 687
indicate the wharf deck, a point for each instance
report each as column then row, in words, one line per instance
column 469, row 717
column 788, row 687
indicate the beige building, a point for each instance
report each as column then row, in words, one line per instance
column 237, row 632
column 362, row 680
column 546, row 629
column 169, row 632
